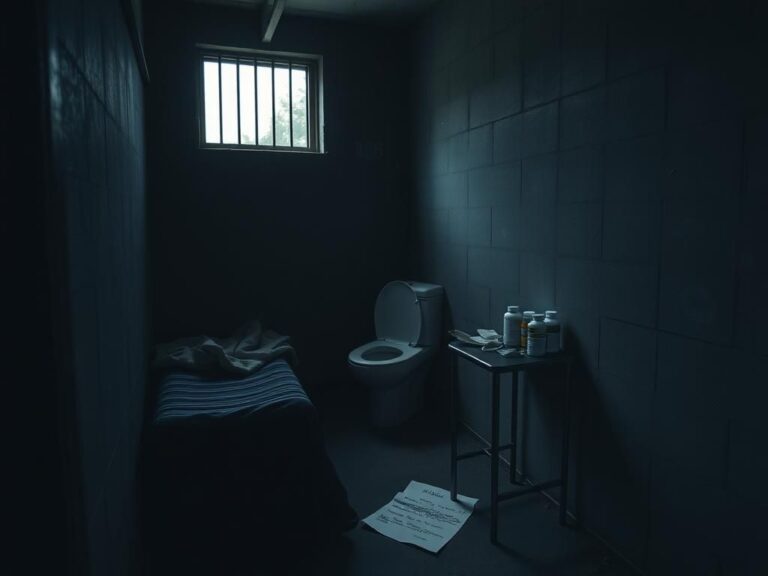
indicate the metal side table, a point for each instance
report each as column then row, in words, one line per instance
column 497, row 365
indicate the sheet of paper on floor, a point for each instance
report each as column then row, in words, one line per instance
column 422, row 515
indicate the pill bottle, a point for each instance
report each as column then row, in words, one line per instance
column 512, row 321
column 554, row 332
column 537, row 336
column 527, row 317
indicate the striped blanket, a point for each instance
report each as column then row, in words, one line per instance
column 185, row 396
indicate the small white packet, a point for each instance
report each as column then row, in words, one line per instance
column 489, row 335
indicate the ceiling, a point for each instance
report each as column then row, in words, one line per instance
column 388, row 9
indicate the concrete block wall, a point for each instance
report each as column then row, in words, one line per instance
column 97, row 127
column 606, row 159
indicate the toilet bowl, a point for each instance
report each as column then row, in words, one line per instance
column 393, row 367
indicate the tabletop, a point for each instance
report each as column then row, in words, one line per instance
column 495, row 362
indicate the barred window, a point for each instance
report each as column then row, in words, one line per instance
column 259, row 100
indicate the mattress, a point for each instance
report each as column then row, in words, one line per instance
column 236, row 467
column 189, row 397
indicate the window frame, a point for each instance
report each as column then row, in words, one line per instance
column 314, row 66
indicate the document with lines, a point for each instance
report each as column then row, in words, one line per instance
column 422, row 515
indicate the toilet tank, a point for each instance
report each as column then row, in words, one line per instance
column 431, row 303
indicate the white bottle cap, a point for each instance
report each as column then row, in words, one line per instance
column 551, row 313
column 529, row 313
column 513, row 308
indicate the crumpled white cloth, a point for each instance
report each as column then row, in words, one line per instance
column 250, row 348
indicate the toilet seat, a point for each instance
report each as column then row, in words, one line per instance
column 386, row 353
column 387, row 364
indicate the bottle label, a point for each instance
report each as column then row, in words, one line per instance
column 537, row 339
column 537, row 344
column 553, row 338
column 511, row 331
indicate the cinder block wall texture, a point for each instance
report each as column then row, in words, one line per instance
column 607, row 159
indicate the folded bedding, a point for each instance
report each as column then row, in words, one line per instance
column 245, row 352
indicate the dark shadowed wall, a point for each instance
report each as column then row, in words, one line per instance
column 303, row 241
column 607, row 159
column 97, row 152
column 36, row 480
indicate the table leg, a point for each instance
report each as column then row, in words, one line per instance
column 495, row 459
column 566, row 440
column 453, row 409
column 513, row 431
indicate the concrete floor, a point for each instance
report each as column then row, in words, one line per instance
column 374, row 466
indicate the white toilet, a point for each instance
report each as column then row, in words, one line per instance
column 393, row 367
